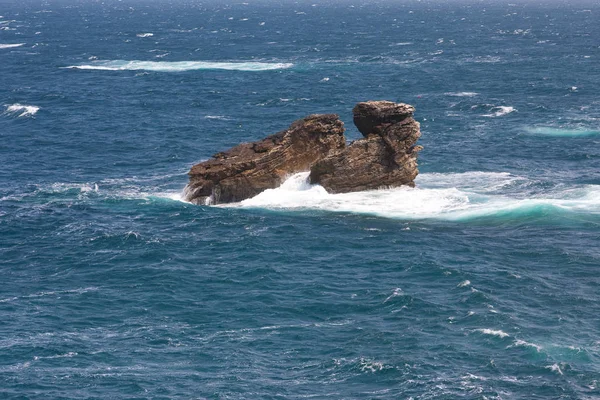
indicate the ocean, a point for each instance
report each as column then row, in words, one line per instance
column 482, row 282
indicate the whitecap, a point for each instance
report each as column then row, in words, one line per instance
column 522, row 343
column 554, row 368
column 179, row 66
column 221, row 117
column 10, row 45
column 145, row 35
column 366, row 365
column 462, row 94
column 464, row 283
column 492, row 332
column 65, row 355
column 500, row 111
column 395, row 293
column 22, row 110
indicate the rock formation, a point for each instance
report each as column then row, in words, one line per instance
column 249, row 168
column 385, row 157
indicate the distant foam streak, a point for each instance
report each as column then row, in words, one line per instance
column 180, row 66
column 451, row 197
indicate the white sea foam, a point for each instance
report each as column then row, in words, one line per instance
column 464, row 283
column 395, row 293
column 221, row 117
column 21, row 110
column 498, row 333
column 555, row 368
column 144, row 35
column 462, row 94
column 455, row 197
column 562, row 132
column 367, row 365
column 10, row 45
column 500, row 111
column 66, row 355
column 179, row 66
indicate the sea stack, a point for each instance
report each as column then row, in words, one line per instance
column 385, row 157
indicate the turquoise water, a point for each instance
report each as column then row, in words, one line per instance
column 481, row 282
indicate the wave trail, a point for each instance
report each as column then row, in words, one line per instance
column 180, row 66
column 562, row 132
column 450, row 197
column 22, row 110
column 10, row 45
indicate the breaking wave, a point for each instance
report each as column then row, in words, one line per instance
column 180, row 66
column 21, row 110
column 452, row 197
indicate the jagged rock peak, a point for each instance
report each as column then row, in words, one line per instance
column 385, row 157
column 369, row 114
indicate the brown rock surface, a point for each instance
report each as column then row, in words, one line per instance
column 385, row 157
column 249, row 168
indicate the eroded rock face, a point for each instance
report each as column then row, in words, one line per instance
column 250, row 168
column 385, row 157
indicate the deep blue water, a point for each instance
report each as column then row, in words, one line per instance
column 481, row 283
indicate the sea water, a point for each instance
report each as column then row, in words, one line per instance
column 481, row 282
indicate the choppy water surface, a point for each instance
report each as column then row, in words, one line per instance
column 481, row 282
